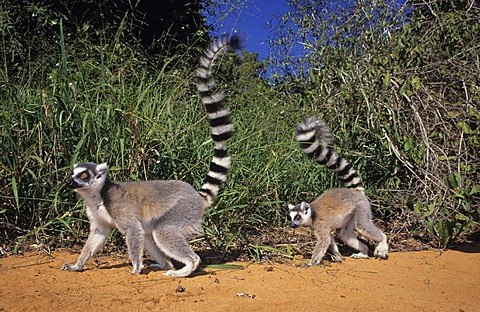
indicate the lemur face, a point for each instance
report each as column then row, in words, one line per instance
column 301, row 214
column 87, row 175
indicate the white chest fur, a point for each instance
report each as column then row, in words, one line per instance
column 101, row 214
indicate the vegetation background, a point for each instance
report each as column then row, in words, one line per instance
column 113, row 80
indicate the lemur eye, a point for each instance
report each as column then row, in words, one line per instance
column 84, row 175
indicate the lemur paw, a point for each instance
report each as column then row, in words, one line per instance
column 360, row 256
column 68, row 267
column 381, row 251
column 337, row 258
column 316, row 261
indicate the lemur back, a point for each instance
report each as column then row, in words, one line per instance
column 159, row 215
column 345, row 209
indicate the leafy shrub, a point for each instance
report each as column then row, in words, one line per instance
column 401, row 85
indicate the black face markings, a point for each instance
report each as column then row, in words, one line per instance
column 297, row 217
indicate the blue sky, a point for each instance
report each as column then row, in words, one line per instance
column 250, row 20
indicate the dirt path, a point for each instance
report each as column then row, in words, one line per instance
column 411, row 281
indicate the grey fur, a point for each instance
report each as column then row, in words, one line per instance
column 344, row 209
column 158, row 216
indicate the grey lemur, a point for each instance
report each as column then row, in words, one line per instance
column 158, row 215
column 345, row 209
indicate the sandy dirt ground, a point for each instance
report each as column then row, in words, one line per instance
column 432, row 280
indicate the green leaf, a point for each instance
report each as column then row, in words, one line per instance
column 464, row 127
column 431, row 209
column 15, row 193
column 416, row 208
column 405, row 88
column 430, row 227
column 416, row 82
column 387, row 79
column 226, row 266
column 461, row 217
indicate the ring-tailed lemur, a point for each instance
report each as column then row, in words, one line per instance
column 158, row 215
column 345, row 209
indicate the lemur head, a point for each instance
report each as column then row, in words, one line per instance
column 300, row 214
column 88, row 175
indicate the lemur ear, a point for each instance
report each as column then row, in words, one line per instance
column 101, row 169
column 290, row 206
column 305, row 207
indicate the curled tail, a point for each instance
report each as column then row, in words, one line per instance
column 315, row 140
column 218, row 117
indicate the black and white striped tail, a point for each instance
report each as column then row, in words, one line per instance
column 316, row 141
column 218, row 116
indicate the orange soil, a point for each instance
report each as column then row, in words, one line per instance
column 410, row 281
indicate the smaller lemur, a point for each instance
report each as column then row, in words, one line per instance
column 344, row 209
